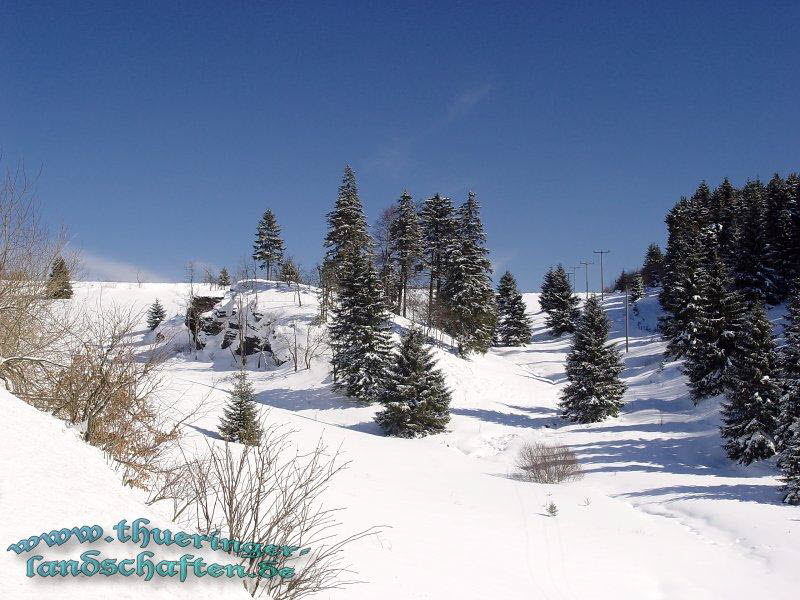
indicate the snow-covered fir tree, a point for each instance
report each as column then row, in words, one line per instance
column 347, row 227
column 513, row 325
column 636, row 288
column 653, row 266
column 595, row 389
column 781, row 236
column 155, row 314
column 789, row 372
column 415, row 397
column 224, row 279
column 268, row 248
column 719, row 321
column 725, row 206
column 547, row 295
column 466, row 294
column 405, row 245
column 239, row 421
column 440, row 244
column 59, row 285
column 289, row 272
column 753, row 275
column 787, row 436
column 359, row 331
column 682, row 279
column 750, row 411
column 563, row 312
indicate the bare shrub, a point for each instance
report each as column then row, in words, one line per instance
column 31, row 324
column 111, row 392
column 547, row 463
column 271, row 494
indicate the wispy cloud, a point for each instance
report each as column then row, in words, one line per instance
column 465, row 102
column 102, row 268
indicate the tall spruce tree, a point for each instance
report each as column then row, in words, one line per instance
column 787, row 437
column 682, row 279
column 359, row 332
column 724, row 211
column 750, row 411
column 268, row 248
column 780, row 237
column 224, row 278
column 636, row 288
column 513, row 325
column 347, row 227
column 155, row 314
column 406, row 245
column 547, row 295
column 59, row 285
column 721, row 311
column 440, row 244
column 653, row 266
column 415, row 398
column 467, row 294
column 563, row 312
column 595, row 389
column 239, row 421
column 789, row 374
column 753, row 275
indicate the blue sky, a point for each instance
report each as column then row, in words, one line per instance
column 163, row 130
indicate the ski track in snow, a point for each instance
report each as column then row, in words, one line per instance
column 660, row 514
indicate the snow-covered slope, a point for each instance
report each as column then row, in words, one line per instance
column 661, row 513
column 50, row 479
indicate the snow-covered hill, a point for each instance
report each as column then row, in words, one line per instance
column 660, row 514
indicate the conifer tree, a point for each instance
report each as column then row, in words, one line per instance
column 359, row 332
column 725, row 205
column 467, row 294
column 789, row 375
column 721, row 311
column 682, row 279
column 595, row 389
column 155, row 315
column 440, row 245
column 513, row 325
column 347, row 227
column 289, row 272
column 787, row 437
column 268, row 247
column 563, row 313
column 239, row 422
column 406, row 245
column 415, row 398
column 224, row 278
column 547, row 295
column 653, row 266
column 59, row 285
column 636, row 288
column 780, row 236
column 749, row 413
column 752, row 272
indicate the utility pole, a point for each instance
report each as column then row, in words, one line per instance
column 602, row 284
column 586, row 268
column 573, row 271
column 626, row 317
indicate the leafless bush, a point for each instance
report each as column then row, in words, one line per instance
column 305, row 348
column 545, row 463
column 271, row 494
column 111, row 391
column 31, row 324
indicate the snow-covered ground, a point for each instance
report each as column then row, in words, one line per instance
column 660, row 514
